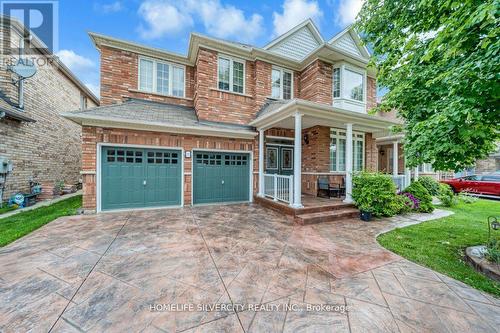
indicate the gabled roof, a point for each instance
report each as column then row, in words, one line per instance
column 349, row 41
column 298, row 42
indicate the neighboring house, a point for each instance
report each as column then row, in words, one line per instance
column 216, row 125
column 486, row 166
column 42, row 145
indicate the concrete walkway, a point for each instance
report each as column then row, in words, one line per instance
column 164, row 270
column 40, row 204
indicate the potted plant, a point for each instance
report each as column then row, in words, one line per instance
column 365, row 213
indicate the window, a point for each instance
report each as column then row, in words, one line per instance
column 336, row 83
column 282, row 84
column 161, row 77
column 354, row 85
column 348, row 83
column 83, row 102
column 271, row 158
column 231, row 75
column 338, row 150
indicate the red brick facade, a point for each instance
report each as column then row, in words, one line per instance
column 91, row 136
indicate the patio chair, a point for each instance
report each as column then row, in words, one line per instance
column 324, row 186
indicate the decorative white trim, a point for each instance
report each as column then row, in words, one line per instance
column 249, row 152
column 99, row 147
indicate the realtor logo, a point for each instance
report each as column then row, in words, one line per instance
column 40, row 17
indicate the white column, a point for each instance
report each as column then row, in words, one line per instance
column 416, row 173
column 297, row 163
column 395, row 157
column 261, row 163
column 348, row 164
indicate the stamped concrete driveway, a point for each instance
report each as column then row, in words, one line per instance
column 122, row 272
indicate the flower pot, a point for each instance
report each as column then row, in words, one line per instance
column 365, row 216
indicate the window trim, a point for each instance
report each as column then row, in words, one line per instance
column 282, row 74
column 343, row 93
column 337, row 155
column 171, row 65
column 231, row 71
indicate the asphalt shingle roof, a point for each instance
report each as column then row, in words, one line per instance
column 155, row 112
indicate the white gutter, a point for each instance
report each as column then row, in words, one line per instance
column 96, row 121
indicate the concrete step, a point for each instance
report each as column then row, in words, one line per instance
column 325, row 208
column 328, row 216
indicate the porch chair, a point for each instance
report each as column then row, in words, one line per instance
column 325, row 186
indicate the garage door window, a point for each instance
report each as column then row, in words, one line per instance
column 163, row 158
column 235, row 160
column 124, row 156
column 209, row 159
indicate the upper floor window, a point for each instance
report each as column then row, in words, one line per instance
column 161, row 77
column 83, row 102
column 281, row 84
column 348, row 83
column 231, row 74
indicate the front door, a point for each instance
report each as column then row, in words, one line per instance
column 279, row 159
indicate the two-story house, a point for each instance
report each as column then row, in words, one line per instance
column 229, row 122
column 41, row 145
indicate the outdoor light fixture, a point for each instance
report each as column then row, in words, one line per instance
column 492, row 224
column 306, row 139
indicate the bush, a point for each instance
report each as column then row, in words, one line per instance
column 446, row 195
column 407, row 203
column 423, row 196
column 493, row 248
column 430, row 185
column 375, row 193
column 466, row 198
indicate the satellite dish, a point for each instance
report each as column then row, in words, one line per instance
column 24, row 68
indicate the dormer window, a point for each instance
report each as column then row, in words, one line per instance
column 281, row 83
column 349, row 87
column 231, row 74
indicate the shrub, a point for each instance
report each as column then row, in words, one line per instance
column 430, row 185
column 493, row 248
column 406, row 202
column 423, row 196
column 466, row 198
column 376, row 193
column 446, row 195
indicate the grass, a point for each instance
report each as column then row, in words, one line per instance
column 21, row 224
column 6, row 209
column 440, row 244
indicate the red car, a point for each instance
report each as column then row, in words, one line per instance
column 480, row 184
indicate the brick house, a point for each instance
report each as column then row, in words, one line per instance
column 230, row 122
column 42, row 145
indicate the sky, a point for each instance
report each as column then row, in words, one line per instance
column 167, row 24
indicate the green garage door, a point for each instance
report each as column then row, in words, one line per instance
column 136, row 178
column 220, row 177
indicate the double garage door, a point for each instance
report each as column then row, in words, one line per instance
column 139, row 178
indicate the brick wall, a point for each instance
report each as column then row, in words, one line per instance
column 371, row 93
column 119, row 79
column 215, row 105
column 92, row 135
column 49, row 149
column 316, row 83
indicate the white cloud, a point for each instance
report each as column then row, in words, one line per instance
column 294, row 12
column 94, row 88
column 106, row 8
column 74, row 61
column 164, row 17
column 347, row 11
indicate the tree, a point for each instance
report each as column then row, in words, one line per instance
column 440, row 60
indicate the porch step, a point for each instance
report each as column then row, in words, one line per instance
column 327, row 216
column 324, row 208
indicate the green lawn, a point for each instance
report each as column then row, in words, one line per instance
column 16, row 226
column 441, row 244
column 5, row 209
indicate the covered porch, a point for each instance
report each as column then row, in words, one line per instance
column 302, row 141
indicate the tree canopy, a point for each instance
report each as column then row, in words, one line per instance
column 440, row 60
